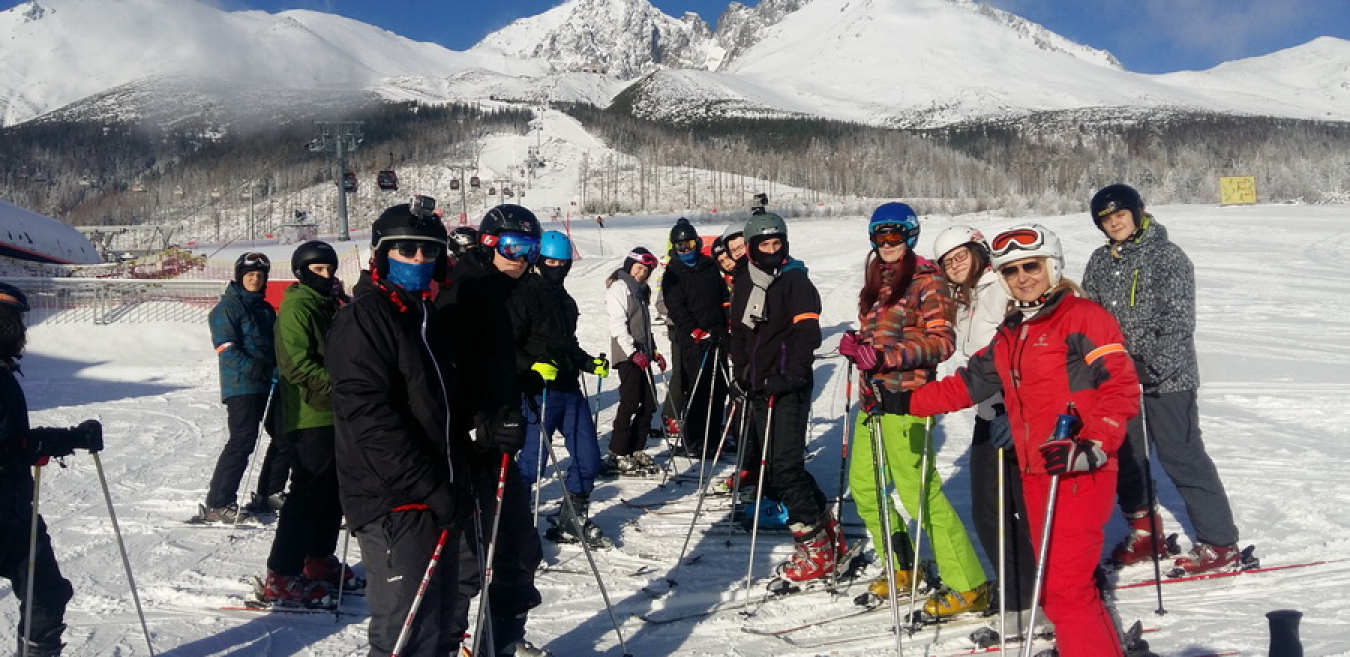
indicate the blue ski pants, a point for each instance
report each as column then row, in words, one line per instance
column 568, row 413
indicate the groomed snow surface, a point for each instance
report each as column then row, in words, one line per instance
column 1273, row 329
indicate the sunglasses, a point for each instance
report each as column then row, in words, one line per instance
column 430, row 250
column 256, row 261
column 685, row 246
column 514, row 246
column 1020, row 238
column 955, row 258
column 1032, row 268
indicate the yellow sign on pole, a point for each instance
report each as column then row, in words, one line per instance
column 1237, row 190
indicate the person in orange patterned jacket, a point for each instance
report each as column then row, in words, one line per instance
column 1057, row 353
column 905, row 328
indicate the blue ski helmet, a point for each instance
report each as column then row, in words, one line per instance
column 900, row 216
column 555, row 245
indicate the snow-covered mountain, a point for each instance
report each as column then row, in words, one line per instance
column 913, row 63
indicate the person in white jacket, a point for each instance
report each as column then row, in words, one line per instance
column 627, row 301
column 981, row 305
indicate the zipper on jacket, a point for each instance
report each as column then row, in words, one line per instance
column 445, row 398
column 1134, row 286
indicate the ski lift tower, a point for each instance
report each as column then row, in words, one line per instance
column 339, row 138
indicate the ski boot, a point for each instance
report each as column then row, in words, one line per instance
column 880, row 588
column 37, row 649
column 326, row 571
column 258, row 506
column 564, row 529
column 292, row 591
column 644, row 463
column 1204, row 558
column 772, row 515
column 672, row 427
column 747, row 488
column 1137, row 547
column 947, row 603
column 225, row 515
column 817, row 552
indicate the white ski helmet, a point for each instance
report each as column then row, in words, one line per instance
column 1027, row 241
column 955, row 237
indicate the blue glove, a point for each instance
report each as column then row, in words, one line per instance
column 1000, row 428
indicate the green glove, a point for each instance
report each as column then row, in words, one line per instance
column 547, row 371
column 600, row 366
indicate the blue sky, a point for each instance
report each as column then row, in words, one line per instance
column 1148, row 36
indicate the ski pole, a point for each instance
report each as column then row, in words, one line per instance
column 1002, row 557
column 918, row 525
column 759, row 495
column 883, row 507
column 539, row 455
column 1040, row 565
column 32, row 557
column 1154, row 529
column 698, row 508
column 684, row 417
column 404, row 633
column 585, row 545
column 491, row 554
column 843, row 446
column 707, row 423
column 121, row 547
column 342, row 574
column 665, row 434
column 740, row 463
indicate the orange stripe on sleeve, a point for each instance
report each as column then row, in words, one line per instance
column 1102, row 351
column 805, row 316
column 223, row 347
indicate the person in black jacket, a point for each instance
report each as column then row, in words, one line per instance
column 21, row 448
column 695, row 294
column 400, row 467
column 485, row 280
column 549, row 358
column 775, row 330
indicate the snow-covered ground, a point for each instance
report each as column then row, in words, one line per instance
column 1273, row 325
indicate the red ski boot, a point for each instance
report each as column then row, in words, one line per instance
column 816, row 553
column 325, row 571
column 1204, row 558
column 293, row 591
column 1136, row 548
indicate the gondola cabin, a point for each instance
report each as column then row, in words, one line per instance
column 492, row 191
column 349, row 181
column 454, row 184
column 387, row 180
column 506, row 191
column 475, row 183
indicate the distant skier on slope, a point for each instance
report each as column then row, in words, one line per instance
column 1148, row 283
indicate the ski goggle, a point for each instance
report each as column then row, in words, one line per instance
column 891, row 235
column 1031, row 267
column 255, row 261
column 1019, row 238
column 409, row 249
column 644, row 259
column 514, row 246
column 685, row 246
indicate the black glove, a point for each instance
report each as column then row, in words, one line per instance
column 531, row 383
column 55, row 443
column 777, row 385
column 504, row 430
column 1146, row 378
column 1069, row 455
column 443, row 506
column 1000, row 428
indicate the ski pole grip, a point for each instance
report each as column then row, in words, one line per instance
column 1064, row 426
column 1284, row 633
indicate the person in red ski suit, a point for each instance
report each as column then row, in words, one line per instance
column 1055, row 349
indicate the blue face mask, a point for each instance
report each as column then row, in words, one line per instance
column 413, row 278
column 688, row 257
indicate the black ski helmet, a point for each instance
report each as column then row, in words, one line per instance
column 1113, row 198
column 311, row 253
column 399, row 223
column 462, row 239
column 13, row 297
column 13, row 332
column 251, row 261
column 508, row 218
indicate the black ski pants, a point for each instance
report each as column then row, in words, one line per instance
column 244, row 415
column 51, row 591
column 396, row 549
column 1019, row 566
column 1174, row 432
column 277, row 460
column 512, row 592
column 702, row 426
column 637, row 403
column 673, row 406
column 785, row 478
column 312, row 517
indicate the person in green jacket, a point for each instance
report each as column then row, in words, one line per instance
column 302, row 569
